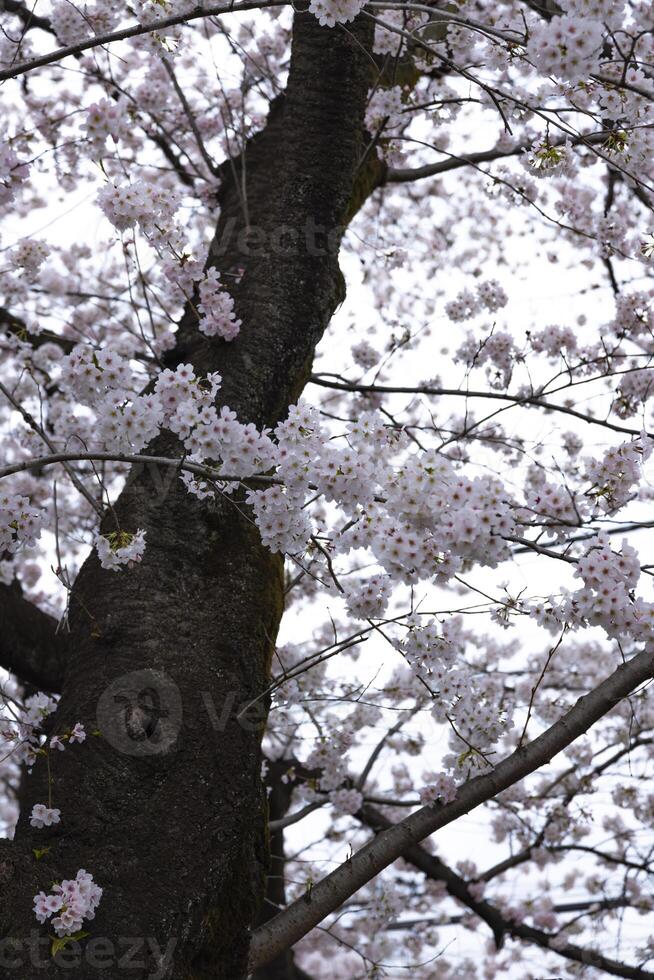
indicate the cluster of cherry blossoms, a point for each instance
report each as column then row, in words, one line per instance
column 120, row 548
column 552, row 506
column 26, row 730
column 545, row 159
column 141, row 202
column 106, row 118
column 438, row 788
column 488, row 295
column 467, row 702
column 332, row 12
column 13, row 172
column 368, row 599
column 88, row 373
column 388, row 111
column 632, row 392
column 497, row 351
column 69, row 903
column 125, row 421
column 553, row 340
column 216, row 307
column 20, row 523
column 365, row 355
column 29, row 254
column 607, row 598
column 609, row 12
column 346, row 800
column 24, row 734
column 36, row 709
column 330, row 757
column 569, row 46
column 614, row 477
column 433, row 517
column 74, row 22
column 44, row 816
column 148, row 11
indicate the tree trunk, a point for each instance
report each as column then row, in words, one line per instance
column 164, row 806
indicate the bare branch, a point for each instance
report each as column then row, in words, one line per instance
column 396, row 175
column 204, row 471
column 404, row 176
column 520, row 400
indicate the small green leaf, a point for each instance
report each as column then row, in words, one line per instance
column 39, row 852
column 57, row 946
column 60, row 942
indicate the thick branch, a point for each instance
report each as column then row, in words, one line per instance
column 27, row 17
column 408, row 175
column 300, row 917
column 397, row 175
column 30, row 647
column 140, row 459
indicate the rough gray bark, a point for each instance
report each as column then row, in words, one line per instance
column 177, row 837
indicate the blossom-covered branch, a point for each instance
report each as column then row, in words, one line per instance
column 136, row 30
column 327, row 895
column 501, row 923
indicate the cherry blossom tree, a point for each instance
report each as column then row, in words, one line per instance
column 343, row 311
